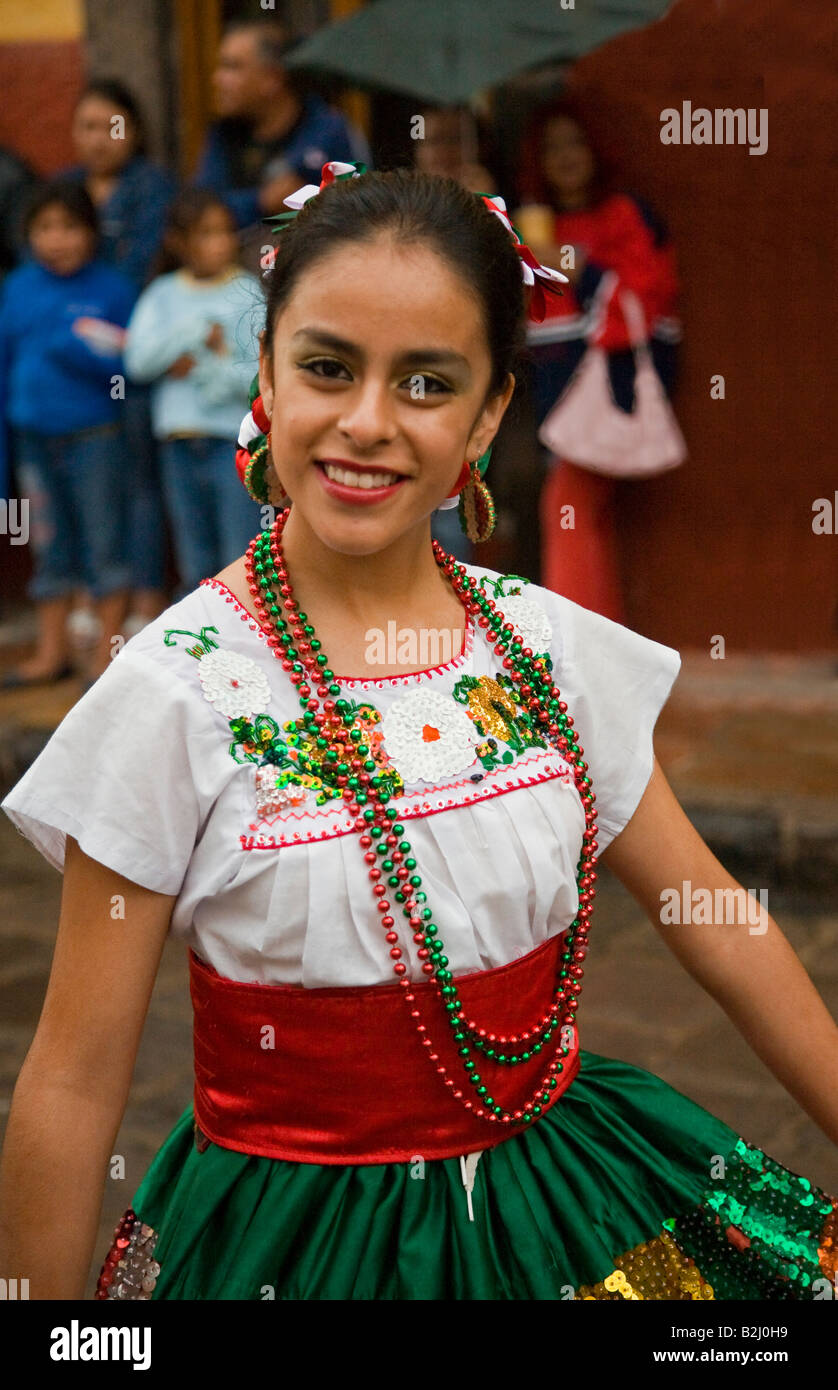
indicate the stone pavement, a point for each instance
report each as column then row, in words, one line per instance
column 750, row 745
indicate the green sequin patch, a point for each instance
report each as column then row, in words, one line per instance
column 773, row 1219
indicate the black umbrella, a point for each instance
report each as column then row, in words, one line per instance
column 443, row 51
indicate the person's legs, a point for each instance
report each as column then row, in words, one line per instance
column 579, row 542
column 189, row 497
column 43, row 484
column 237, row 517
column 101, row 481
column 146, row 525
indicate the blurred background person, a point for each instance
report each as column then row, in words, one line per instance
column 16, row 183
column 452, row 143
column 270, row 138
column 62, row 320
column 131, row 194
column 193, row 335
column 569, row 201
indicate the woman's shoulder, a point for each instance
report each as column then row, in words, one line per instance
column 575, row 636
column 170, row 642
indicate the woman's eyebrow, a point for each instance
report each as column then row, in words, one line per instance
column 415, row 357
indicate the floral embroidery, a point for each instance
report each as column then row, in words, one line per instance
column 523, row 613
column 289, row 768
column 491, row 704
column 425, row 736
column 428, row 737
column 234, row 684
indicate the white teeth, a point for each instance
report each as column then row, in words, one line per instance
column 351, row 479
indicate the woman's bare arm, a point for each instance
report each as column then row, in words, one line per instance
column 73, row 1086
column 748, row 968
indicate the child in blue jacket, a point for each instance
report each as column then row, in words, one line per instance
column 62, row 322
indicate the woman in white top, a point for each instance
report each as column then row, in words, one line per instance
column 368, row 788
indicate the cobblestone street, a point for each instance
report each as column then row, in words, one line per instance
column 639, row 1005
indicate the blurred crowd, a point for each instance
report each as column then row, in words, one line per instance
column 130, row 311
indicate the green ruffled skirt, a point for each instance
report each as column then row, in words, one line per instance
column 624, row 1189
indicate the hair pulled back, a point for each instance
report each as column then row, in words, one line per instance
column 416, row 209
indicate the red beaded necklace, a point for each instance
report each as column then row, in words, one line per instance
column 295, row 645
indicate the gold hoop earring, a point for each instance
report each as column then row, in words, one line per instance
column 476, row 509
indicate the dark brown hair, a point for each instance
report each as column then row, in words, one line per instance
column 185, row 212
column 71, row 196
column 532, row 182
column 416, row 209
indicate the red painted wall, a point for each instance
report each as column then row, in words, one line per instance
column 40, row 82
column 725, row 545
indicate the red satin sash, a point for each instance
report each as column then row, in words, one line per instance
column 347, row 1079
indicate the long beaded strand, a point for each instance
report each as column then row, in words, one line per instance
column 302, row 658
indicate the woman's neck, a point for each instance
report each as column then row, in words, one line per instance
column 367, row 589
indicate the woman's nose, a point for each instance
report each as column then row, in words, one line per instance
column 368, row 416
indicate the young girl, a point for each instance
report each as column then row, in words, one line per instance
column 385, row 869
column 193, row 335
column 62, row 322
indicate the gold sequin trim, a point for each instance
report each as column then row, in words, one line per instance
column 657, row 1269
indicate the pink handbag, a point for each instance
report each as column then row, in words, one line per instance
column 588, row 428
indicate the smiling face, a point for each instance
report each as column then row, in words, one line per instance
column 378, row 374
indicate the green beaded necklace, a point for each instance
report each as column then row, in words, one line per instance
column 365, row 788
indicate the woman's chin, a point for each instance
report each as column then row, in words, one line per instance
column 358, row 531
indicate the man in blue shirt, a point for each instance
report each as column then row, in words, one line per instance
column 269, row 139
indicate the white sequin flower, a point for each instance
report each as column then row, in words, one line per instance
column 529, row 619
column 428, row 736
column 234, row 684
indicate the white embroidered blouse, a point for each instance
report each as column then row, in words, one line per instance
column 187, row 769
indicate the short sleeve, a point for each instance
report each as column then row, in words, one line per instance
column 615, row 683
column 130, row 773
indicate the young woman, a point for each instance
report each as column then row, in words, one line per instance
column 383, row 862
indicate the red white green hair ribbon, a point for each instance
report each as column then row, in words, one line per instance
column 536, row 277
